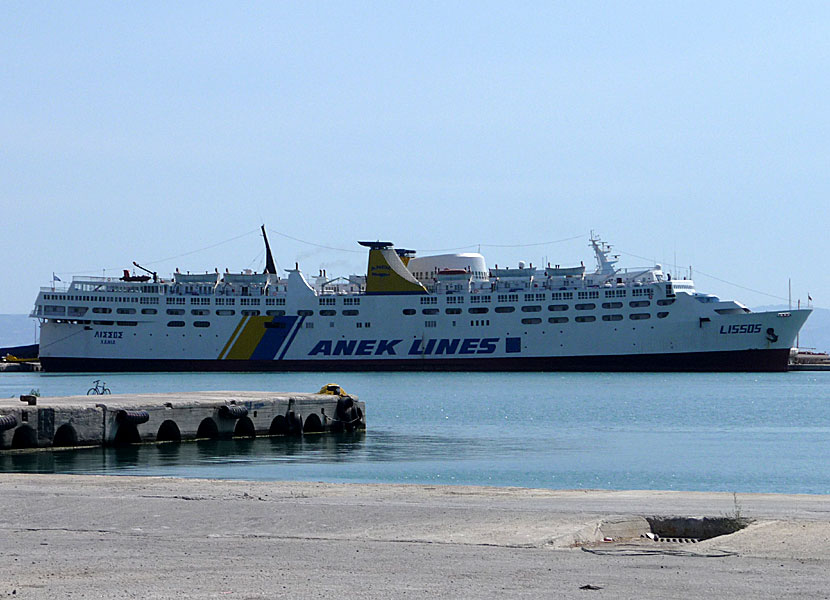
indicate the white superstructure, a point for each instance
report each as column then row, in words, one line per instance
column 444, row 312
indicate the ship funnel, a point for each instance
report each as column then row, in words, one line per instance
column 387, row 273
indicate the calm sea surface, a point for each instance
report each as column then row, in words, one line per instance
column 728, row 432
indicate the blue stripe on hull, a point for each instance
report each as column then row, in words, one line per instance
column 273, row 339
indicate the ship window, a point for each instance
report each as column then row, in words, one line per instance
column 175, row 311
column 175, row 323
column 329, row 312
column 588, row 295
column 562, row 296
column 585, row 319
column 453, row 311
column 478, row 310
column 587, row 306
column 662, row 315
column 531, row 321
column 352, row 301
column 430, row 323
column 350, row 312
column 254, row 313
column 479, row 299
column 148, row 311
column 309, row 325
column 125, row 311
column 77, row 311
column 429, row 300
column 557, row 319
column 102, row 323
column 326, row 301
column 270, row 313
column 612, row 305
column 126, row 323
column 532, row 308
column 639, row 316
column 429, row 311
column 409, row 311
column 730, row 311
column 305, row 313
column 557, row 307
column 199, row 312
column 612, row 317
column 665, row 302
column 102, row 310
column 225, row 312
column 638, row 303
column 505, row 309
column 508, row 297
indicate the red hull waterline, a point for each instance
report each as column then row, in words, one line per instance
column 730, row 361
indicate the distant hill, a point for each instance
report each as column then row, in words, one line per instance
column 816, row 331
column 16, row 330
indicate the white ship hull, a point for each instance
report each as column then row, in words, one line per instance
column 512, row 321
column 393, row 341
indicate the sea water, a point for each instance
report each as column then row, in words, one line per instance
column 736, row 432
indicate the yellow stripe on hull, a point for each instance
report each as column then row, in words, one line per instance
column 248, row 339
column 233, row 337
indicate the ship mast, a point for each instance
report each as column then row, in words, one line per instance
column 605, row 260
column 270, row 267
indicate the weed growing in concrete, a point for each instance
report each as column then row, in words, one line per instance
column 736, row 519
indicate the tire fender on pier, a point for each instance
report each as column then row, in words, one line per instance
column 8, row 422
column 232, row 411
column 132, row 417
column 348, row 415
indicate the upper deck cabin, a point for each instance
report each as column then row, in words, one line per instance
column 441, row 275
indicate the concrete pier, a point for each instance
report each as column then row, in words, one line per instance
column 73, row 536
column 134, row 418
column 20, row 367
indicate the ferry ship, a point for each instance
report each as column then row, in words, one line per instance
column 446, row 312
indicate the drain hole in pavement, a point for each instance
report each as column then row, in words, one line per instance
column 693, row 529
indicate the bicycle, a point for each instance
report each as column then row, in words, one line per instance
column 97, row 389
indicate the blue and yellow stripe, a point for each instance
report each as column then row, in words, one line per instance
column 257, row 338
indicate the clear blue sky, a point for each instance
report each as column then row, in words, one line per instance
column 143, row 131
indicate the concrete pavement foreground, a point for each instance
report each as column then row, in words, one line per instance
column 72, row 536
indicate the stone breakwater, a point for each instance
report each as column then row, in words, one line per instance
column 108, row 419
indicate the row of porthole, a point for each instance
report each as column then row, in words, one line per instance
column 530, row 308
column 591, row 318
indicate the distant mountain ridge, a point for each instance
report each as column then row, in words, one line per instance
column 17, row 330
